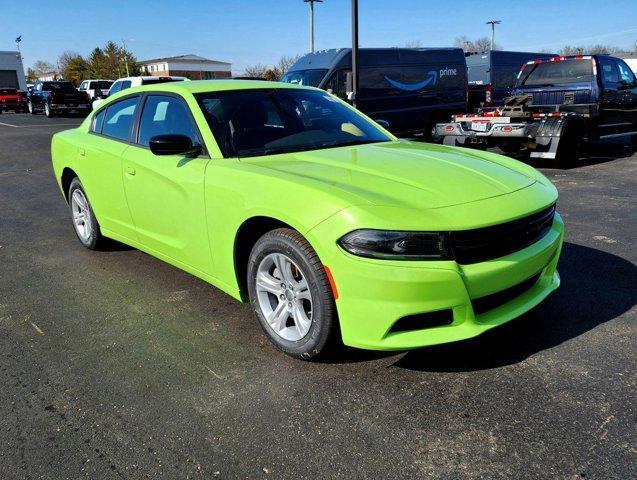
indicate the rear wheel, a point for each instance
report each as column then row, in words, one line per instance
column 47, row 110
column 86, row 227
column 31, row 108
column 570, row 147
column 290, row 294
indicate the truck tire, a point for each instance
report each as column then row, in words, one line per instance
column 570, row 147
column 48, row 111
column 31, row 108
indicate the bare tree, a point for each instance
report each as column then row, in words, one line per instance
column 285, row 63
column 590, row 49
column 413, row 44
column 482, row 44
column 42, row 66
column 257, row 71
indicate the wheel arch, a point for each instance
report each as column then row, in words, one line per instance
column 247, row 235
column 68, row 174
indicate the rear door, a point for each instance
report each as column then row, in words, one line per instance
column 101, row 176
column 166, row 193
column 611, row 118
column 628, row 88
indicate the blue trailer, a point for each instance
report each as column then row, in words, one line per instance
column 492, row 75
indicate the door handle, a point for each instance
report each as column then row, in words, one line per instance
column 130, row 171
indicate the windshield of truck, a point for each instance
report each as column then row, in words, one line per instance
column 101, row 85
column 59, row 86
column 310, row 78
column 564, row 71
column 249, row 123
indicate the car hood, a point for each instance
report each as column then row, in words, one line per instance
column 401, row 173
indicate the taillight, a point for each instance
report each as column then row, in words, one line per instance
column 488, row 95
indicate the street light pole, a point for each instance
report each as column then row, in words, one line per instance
column 311, row 2
column 493, row 23
column 354, row 51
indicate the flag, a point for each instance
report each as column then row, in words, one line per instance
column 19, row 39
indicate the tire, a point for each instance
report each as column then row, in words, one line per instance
column 31, row 108
column 47, row 110
column 570, row 146
column 633, row 141
column 510, row 148
column 81, row 212
column 304, row 287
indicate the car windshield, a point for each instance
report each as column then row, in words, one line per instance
column 310, row 78
column 101, row 85
column 564, row 71
column 248, row 123
column 8, row 91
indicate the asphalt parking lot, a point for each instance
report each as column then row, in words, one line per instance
column 116, row 365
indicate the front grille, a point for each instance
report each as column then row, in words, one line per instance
column 420, row 321
column 484, row 304
column 480, row 244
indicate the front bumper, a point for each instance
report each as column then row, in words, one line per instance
column 374, row 295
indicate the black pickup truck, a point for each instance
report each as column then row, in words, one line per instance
column 557, row 105
column 58, row 97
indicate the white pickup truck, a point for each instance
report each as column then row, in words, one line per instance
column 129, row 82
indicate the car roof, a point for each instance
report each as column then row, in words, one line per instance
column 200, row 86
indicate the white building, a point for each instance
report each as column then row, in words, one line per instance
column 193, row 67
column 12, row 70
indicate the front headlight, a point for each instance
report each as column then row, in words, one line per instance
column 396, row 245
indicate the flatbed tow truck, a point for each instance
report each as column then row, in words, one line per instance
column 557, row 106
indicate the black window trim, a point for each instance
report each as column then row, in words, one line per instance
column 105, row 108
column 133, row 134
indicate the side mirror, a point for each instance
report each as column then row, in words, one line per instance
column 382, row 123
column 174, row 145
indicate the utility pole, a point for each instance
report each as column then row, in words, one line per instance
column 125, row 57
column 493, row 23
column 354, row 51
column 311, row 2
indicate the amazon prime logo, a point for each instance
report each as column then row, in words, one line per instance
column 431, row 79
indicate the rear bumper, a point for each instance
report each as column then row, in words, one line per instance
column 374, row 295
column 463, row 130
column 70, row 106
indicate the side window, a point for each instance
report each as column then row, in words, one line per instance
column 98, row 120
column 625, row 73
column 609, row 72
column 125, row 84
column 338, row 83
column 119, row 118
column 116, row 87
column 165, row 115
column 83, row 86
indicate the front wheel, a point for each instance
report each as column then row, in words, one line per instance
column 291, row 294
column 47, row 110
column 86, row 227
column 31, row 108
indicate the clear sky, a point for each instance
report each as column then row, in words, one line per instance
column 246, row 32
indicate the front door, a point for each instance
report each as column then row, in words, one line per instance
column 166, row 193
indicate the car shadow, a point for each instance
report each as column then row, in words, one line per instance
column 596, row 287
column 593, row 154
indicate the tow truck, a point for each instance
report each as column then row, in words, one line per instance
column 557, row 106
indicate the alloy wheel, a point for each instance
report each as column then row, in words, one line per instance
column 284, row 296
column 81, row 215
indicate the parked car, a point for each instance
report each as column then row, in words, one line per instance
column 557, row 106
column 129, row 82
column 95, row 88
column 493, row 74
column 287, row 197
column 10, row 100
column 56, row 98
column 411, row 89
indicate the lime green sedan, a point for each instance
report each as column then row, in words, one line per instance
column 332, row 228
